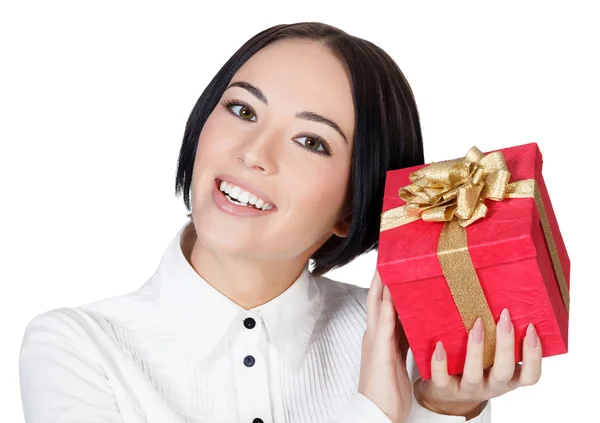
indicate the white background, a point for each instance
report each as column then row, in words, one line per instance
column 94, row 97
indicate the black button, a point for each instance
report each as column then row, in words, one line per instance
column 249, row 323
column 249, row 361
column 257, row 420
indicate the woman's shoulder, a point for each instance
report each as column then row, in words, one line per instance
column 81, row 325
column 347, row 294
column 343, row 316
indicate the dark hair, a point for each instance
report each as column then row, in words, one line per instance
column 387, row 130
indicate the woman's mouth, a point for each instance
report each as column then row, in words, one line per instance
column 240, row 197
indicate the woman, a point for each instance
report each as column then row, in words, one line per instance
column 283, row 161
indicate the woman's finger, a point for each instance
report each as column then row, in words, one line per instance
column 374, row 302
column 384, row 350
column 531, row 370
column 403, row 344
column 504, row 358
column 401, row 341
column 439, row 370
column 473, row 371
column 514, row 381
column 401, row 350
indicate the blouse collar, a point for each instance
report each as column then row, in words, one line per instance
column 201, row 317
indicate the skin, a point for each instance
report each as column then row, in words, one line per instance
column 253, row 260
column 384, row 380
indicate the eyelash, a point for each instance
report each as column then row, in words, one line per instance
column 234, row 102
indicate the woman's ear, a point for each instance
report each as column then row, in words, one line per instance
column 342, row 226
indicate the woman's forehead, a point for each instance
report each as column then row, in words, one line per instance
column 302, row 75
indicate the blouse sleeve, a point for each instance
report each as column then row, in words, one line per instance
column 60, row 378
column 360, row 409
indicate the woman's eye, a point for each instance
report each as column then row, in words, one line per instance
column 244, row 111
column 314, row 143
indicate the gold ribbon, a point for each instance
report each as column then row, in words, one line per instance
column 453, row 191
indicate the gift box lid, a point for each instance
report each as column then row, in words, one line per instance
column 510, row 231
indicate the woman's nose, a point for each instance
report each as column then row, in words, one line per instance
column 261, row 152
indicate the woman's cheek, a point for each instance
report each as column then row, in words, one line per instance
column 216, row 130
column 327, row 199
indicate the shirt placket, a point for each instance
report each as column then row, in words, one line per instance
column 250, row 354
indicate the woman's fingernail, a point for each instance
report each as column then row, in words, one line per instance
column 505, row 324
column 478, row 331
column 439, row 351
column 531, row 339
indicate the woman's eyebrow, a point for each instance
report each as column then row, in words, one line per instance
column 312, row 116
column 255, row 91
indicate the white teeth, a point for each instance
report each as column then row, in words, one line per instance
column 235, row 192
column 244, row 198
column 236, row 202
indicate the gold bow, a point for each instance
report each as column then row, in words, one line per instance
column 454, row 192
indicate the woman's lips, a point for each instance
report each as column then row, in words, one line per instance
column 246, row 186
column 233, row 209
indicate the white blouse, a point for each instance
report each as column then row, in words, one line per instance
column 177, row 350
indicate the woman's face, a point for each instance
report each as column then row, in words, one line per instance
column 301, row 164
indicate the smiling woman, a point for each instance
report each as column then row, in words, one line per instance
column 270, row 131
column 283, row 161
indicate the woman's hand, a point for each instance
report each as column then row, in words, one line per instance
column 463, row 394
column 383, row 375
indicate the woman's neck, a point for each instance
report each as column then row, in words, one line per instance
column 247, row 283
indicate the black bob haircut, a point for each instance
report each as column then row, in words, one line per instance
column 387, row 130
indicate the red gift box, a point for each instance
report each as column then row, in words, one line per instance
column 513, row 262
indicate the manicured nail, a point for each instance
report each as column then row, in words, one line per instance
column 478, row 331
column 531, row 339
column 439, row 351
column 504, row 325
